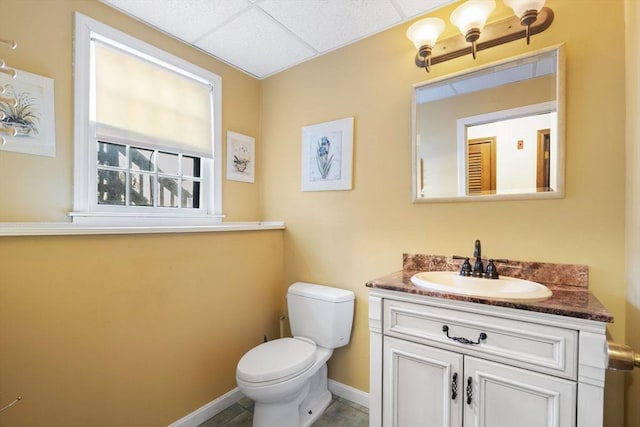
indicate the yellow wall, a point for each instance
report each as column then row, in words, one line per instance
column 130, row 330
column 345, row 238
column 122, row 330
column 632, row 15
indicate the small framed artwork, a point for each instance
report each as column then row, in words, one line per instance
column 26, row 107
column 241, row 157
column 327, row 155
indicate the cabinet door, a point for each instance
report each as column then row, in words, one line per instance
column 421, row 386
column 501, row 395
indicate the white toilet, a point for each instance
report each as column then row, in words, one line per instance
column 287, row 377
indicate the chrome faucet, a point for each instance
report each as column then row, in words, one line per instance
column 478, row 268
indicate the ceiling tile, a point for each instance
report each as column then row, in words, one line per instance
column 328, row 24
column 411, row 8
column 262, row 37
column 254, row 42
column 186, row 20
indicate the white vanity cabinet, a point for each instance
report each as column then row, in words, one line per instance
column 438, row 362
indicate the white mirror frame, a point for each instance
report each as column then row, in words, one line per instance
column 561, row 140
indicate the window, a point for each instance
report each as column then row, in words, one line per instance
column 135, row 176
column 147, row 133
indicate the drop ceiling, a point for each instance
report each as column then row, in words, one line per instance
column 264, row 37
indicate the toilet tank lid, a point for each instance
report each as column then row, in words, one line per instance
column 321, row 292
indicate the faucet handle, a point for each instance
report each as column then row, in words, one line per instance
column 465, row 270
column 492, row 272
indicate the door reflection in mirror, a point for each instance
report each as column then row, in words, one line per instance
column 513, row 152
column 481, row 166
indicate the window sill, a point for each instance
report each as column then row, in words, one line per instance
column 61, row 228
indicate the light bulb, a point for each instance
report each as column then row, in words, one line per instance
column 425, row 32
column 472, row 14
column 424, row 35
column 470, row 18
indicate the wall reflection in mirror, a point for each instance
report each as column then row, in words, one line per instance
column 491, row 133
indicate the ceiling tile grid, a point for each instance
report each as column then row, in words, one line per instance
column 254, row 42
column 186, row 20
column 413, row 8
column 264, row 37
column 326, row 25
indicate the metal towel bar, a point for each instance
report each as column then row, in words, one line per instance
column 622, row 357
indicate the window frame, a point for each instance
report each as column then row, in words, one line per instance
column 86, row 210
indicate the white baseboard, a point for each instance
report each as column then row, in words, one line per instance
column 207, row 411
column 218, row 405
column 349, row 393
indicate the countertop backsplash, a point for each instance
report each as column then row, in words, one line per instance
column 541, row 272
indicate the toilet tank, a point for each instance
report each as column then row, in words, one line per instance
column 321, row 313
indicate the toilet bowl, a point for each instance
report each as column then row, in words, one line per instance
column 287, row 377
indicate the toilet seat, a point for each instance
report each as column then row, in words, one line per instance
column 277, row 359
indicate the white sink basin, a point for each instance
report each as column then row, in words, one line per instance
column 503, row 288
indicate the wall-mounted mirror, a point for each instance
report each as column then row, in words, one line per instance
column 491, row 133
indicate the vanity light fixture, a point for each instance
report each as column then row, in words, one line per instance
column 424, row 35
column 470, row 17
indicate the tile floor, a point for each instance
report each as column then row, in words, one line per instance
column 340, row 413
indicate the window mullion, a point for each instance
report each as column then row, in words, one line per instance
column 179, row 179
column 127, row 180
column 155, row 190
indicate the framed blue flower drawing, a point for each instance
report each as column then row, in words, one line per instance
column 327, row 155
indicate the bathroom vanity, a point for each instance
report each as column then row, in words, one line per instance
column 440, row 359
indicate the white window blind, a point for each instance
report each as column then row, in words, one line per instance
column 144, row 101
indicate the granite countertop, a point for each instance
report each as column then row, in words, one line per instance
column 568, row 283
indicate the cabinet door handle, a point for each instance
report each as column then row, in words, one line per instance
column 469, row 390
column 454, row 386
column 463, row 340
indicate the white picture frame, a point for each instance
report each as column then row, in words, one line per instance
column 327, row 155
column 241, row 157
column 32, row 115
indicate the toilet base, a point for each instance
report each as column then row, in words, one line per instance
column 317, row 400
column 286, row 414
column 301, row 411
